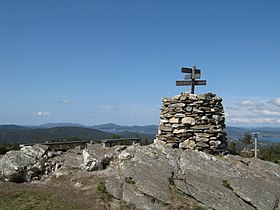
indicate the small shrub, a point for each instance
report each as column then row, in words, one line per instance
column 171, row 181
column 32, row 199
column 4, row 148
column 129, row 180
column 18, row 177
column 199, row 208
column 126, row 206
column 102, row 193
column 226, row 184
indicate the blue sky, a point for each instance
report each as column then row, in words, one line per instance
column 94, row 62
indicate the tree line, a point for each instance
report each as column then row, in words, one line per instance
column 246, row 145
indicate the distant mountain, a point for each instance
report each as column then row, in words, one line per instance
column 264, row 133
column 235, row 132
column 34, row 135
column 11, row 127
column 113, row 128
column 53, row 125
column 58, row 131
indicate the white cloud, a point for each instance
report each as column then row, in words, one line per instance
column 254, row 112
column 65, row 101
column 253, row 120
column 275, row 102
column 266, row 112
column 234, row 108
column 43, row 113
column 247, row 103
column 109, row 108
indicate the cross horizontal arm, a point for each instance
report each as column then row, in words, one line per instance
column 192, row 76
column 189, row 70
column 196, row 82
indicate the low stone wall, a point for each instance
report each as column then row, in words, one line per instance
column 192, row 121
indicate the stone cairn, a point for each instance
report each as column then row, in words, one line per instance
column 194, row 122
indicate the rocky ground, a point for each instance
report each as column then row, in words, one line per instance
column 73, row 177
column 61, row 194
column 159, row 177
column 138, row 177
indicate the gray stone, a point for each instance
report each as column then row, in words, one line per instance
column 36, row 151
column 179, row 115
column 178, row 105
column 165, row 128
column 201, row 97
column 192, row 97
column 189, row 108
column 149, row 165
column 163, row 121
column 176, row 97
column 188, row 121
column 188, row 113
column 132, row 195
column 149, row 178
column 201, row 139
column 211, row 193
column 218, row 118
column 173, row 120
column 91, row 162
column 187, row 144
column 196, row 110
column 178, row 131
column 215, row 143
column 267, row 198
column 202, row 144
column 114, row 185
column 22, row 165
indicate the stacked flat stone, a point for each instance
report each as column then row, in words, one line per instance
column 192, row 121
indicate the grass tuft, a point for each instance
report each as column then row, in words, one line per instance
column 226, row 184
column 25, row 200
column 102, row 193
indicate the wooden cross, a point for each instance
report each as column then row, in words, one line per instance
column 190, row 79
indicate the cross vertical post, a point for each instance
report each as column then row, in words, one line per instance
column 191, row 78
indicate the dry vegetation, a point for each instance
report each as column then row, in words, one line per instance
column 77, row 191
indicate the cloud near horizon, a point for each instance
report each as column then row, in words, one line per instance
column 254, row 112
column 43, row 113
column 275, row 102
column 64, row 101
column 247, row 103
column 109, row 108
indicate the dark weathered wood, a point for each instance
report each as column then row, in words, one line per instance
column 108, row 142
column 121, row 139
column 191, row 82
column 192, row 76
column 57, row 143
column 189, row 70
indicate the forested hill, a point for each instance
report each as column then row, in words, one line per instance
column 22, row 134
column 56, row 132
column 18, row 134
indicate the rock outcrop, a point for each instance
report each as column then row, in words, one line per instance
column 192, row 121
column 157, row 176
column 34, row 162
column 25, row 164
column 160, row 177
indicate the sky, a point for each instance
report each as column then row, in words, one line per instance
column 95, row 62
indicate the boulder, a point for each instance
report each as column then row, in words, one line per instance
column 90, row 161
column 25, row 164
column 160, row 177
